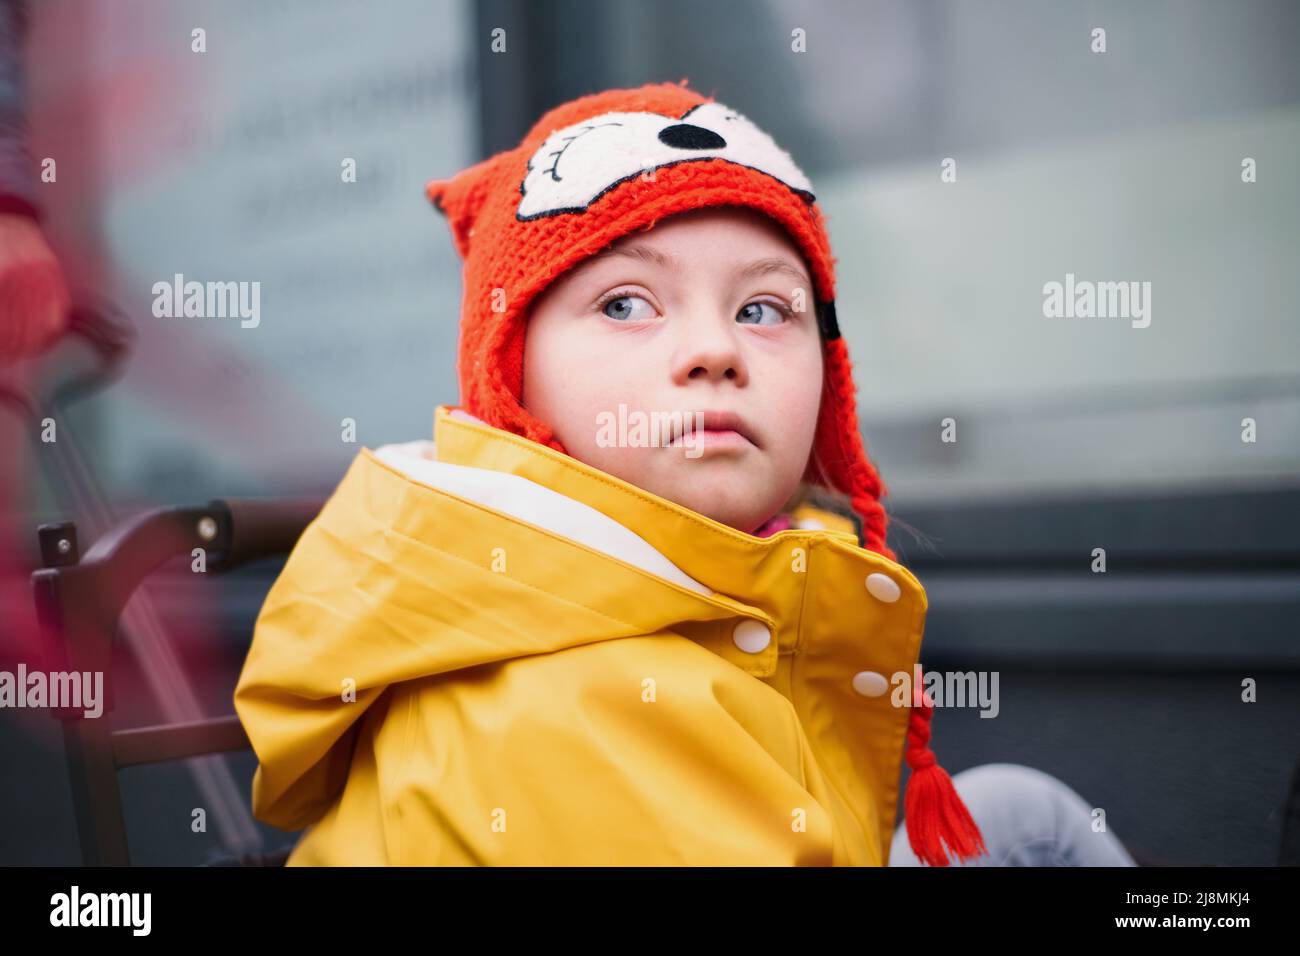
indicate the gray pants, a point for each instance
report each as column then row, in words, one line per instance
column 1027, row 818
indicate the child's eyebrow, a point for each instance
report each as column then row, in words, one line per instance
column 758, row 267
column 761, row 267
column 645, row 253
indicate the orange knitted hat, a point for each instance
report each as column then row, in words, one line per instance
column 574, row 185
column 605, row 165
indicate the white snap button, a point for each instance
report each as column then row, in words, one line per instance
column 752, row 636
column 883, row 588
column 812, row 524
column 869, row 683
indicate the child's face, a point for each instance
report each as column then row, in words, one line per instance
column 695, row 315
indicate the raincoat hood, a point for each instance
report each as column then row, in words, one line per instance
column 462, row 600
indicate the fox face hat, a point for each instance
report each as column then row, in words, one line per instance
column 588, row 173
column 596, row 169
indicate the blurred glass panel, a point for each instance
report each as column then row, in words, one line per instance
column 944, row 310
column 228, row 165
column 1123, row 166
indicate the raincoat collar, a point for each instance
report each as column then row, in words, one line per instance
column 461, row 438
column 703, row 570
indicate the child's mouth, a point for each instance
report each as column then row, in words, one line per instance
column 714, row 430
column 712, row 439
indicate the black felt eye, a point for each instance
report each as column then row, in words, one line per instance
column 688, row 136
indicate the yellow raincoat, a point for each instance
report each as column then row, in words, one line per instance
column 483, row 651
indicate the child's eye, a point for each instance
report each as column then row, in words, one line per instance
column 752, row 314
column 621, row 308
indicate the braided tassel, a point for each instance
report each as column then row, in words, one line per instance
column 938, row 823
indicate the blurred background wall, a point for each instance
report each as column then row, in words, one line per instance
column 1124, row 165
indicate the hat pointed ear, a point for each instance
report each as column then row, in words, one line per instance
column 461, row 199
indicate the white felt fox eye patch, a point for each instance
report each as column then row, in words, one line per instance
column 580, row 162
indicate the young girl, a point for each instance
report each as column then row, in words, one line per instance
column 612, row 613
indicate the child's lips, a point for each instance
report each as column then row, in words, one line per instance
column 715, row 429
column 712, row 438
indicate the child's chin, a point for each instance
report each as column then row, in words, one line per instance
column 734, row 500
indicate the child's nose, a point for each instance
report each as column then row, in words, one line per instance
column 710, row 352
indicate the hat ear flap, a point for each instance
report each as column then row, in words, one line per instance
column 461, row 199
